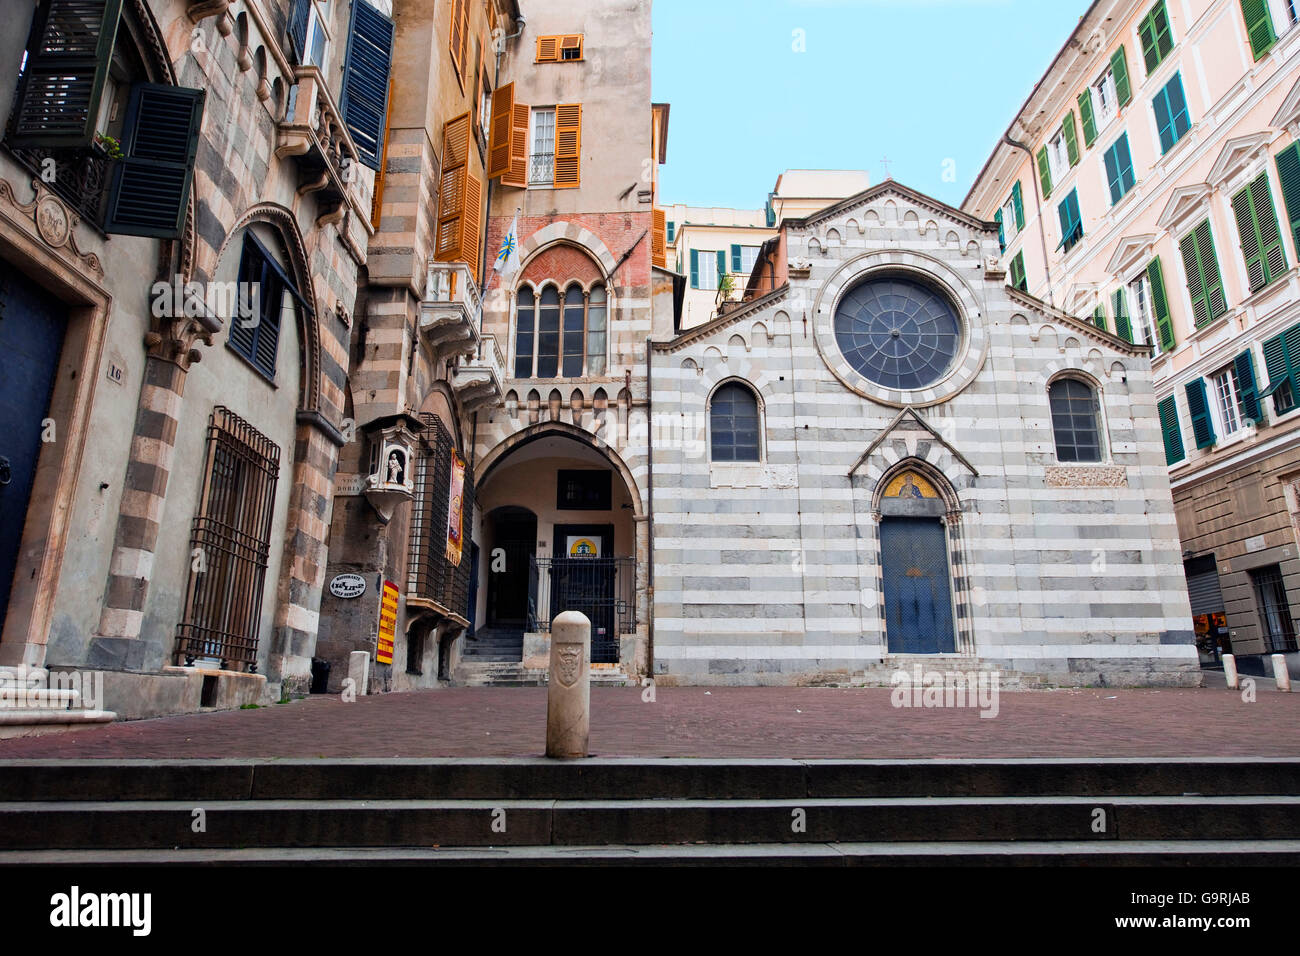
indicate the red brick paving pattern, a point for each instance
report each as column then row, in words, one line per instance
column 712, row 722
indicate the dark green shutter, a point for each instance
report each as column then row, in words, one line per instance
column 1247, row 389
column 695, row 268
column 1288, row 173
column 1204, row 281
column 1202, row 425
column 722, row 265
column 1261, row 239
column 365, row 80
column 1045, row 172
column 1157, row 37
column 1071, row 139
column 1174, row 451
column 1150, row 52
column 299, row 15
column 1002, row 236
column 1018, row 278
column 1018, row 201
column 1259, row 26
column 1160, row 305
column 151, row 185
column 1085, row 115
column 243, row 337
column 735, row 257
column 69, row 51
column 1111, row 160
column 1123, row 88
column 1099, row 317
column 268, row 330
column 1123, row 326
column 672, row 231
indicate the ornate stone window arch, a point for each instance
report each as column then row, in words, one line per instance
column 735, row 423
column 561, row 329
column 1079, row 433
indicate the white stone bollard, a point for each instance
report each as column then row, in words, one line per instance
column 1281, row 676
column 359, row 671
column 1230, row 670
column 568, row 693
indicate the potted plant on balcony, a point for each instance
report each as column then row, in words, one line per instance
column 108, row 146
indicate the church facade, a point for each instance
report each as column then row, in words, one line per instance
column 893, row 458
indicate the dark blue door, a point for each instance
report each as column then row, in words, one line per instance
column 918, row 602
column 31, row 335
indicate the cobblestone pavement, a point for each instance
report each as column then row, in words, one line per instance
column 713, row 722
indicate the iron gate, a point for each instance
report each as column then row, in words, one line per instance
column 604, row 589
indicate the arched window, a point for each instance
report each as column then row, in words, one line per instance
column 733, row 424
column 555, row 338
column 1075, row 420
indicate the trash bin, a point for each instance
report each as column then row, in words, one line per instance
column 320, row 676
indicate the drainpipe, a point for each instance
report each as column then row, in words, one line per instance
column 650, row 507
column 1038, row 208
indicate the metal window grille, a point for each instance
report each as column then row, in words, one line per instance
column 1274, row 612
column 230, row 544
column 430, row 574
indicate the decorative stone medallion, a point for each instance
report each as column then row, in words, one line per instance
column 570, row 664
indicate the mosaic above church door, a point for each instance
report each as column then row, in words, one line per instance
column 918, row 581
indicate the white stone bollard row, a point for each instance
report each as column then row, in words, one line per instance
column 568, row 693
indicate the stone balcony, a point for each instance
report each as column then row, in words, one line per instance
column 477, row 380
column 312, row 130
column 451, row 310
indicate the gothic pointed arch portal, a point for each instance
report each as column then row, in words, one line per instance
column 916, row 509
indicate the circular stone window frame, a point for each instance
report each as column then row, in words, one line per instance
column 929, row 272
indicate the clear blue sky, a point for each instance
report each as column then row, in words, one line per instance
column 918, row 81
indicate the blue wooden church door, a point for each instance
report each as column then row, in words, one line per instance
column 31, row 337
column 918, row 594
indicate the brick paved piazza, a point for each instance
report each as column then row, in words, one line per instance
column 714, row 722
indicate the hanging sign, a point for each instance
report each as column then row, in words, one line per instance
column 387, row 623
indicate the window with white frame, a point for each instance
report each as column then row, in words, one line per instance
column 708, row 269
column 1227, row 401
column 1058, row 155
column 748, row 256
column 1144, row 321
column 317, row 37
column 541, row 162
column 1009, row 230
column 1105, row 100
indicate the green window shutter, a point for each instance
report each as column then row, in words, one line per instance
column 364, row 102
column 672, row 231
column 1215, row 296
column 735, row 257
column 1202, row 424
column 1174, row 451
column 1288, row 173
column 1261, row 239
column 150, row 189
column 1280, row 355
column 1002, row 236
column 1195, row 280
column 1071, row 138
column 1088, row 120
column 1259, row 26
column 1018, row 278
column 695, row 268
column 1018, row 201
column 1045, row 172
column 1099, row 317
column 1150, row 52
column 1119, row 66
column 722, row 265
column 1247, row 389
column 1123, row 326
column 1111, row 160
column 67, row 65
column 1160, row 305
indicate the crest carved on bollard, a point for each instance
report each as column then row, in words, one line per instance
column 570, row 663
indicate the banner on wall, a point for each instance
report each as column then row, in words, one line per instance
column 455, row 526
column 387, row 623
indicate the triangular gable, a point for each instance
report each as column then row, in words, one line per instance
column 723, row 322
column 903, row 437
column 1047, row 313
column 1184, row 203
column 889, row 187
column 1289, row 114
column 1236, row 155
column 1129, row 251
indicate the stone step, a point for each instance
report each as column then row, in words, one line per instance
column 598, row 778
column 35, row 721
column 38, row 698
column 23, row 675
column 1164, row 853
column 155, row 824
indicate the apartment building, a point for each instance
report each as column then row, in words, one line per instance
column 185, row 191
column 1151, row 184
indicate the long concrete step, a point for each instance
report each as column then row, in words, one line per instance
column 1165, row 853
column 608, row 778
column 341, row 823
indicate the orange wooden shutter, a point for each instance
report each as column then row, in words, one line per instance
column 503, row 116
column 452, row 189
column 659, row 239
column 571, row 43
column 568, row 145
column 548, row 49
column 518, row 174
column 470, row 234
column 458, row 34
